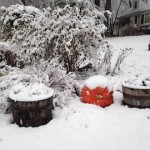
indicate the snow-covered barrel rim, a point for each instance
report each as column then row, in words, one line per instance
column 137, row 82
column 138, row 87
column 30, row 93
column 98, row 81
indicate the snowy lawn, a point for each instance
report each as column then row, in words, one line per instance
column 87, row 127
column 139, row 61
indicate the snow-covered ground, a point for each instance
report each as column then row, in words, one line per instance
column 87, row 127
column 139, row 61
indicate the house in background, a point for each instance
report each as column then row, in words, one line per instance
column 138, row 15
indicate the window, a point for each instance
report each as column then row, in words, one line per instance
column 142, row 19
column 135, row 5
column 147, row 18
column 135, row 19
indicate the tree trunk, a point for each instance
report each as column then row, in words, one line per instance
column 23, row 1
column 108, row 5
column 97, row 2
column 117, row 14
column 108, row 23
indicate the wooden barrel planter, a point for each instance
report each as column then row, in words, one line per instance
column 31, row 112
column 136, row 97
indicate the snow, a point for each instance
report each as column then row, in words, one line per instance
column 137, row 63
column 138, row 82
column 31, row 10
column 98, row 81
column 82, row 126
column 3, row 8
column 4, row 46
column 108, row 12
column 135, row 86
column 31, row 92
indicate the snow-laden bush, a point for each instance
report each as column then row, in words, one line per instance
column 45, row 40
column 54, row 76
column 4, row 47
column 62, row 3
column 71, row 34
column 51, row 74
column 7, row 56
column 123, row 54
column 13, row 77
column 17, row 21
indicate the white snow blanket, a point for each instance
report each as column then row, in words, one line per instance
column 87, row 127
column 98, row 81
column 31, row 92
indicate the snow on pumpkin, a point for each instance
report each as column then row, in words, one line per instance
column 31, row 92
column 97, row 90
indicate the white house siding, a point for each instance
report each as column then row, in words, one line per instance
column 143, row 19
column 142, row 10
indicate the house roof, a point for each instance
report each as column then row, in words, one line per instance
column 142, row 7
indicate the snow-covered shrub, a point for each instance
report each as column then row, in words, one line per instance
column 123, row 54
column 7, row 56
column 51, row 74
column 3, row 48
column 18, row 21
column 104, row 62
column 71, row 34
column 62, row 3
column 13, row 77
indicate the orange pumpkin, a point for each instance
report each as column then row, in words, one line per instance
column 98, row 96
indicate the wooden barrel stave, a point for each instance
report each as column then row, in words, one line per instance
column 33, row 114
column 139, row 98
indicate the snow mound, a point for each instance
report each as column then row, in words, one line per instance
column 138, row 82
column 98, row 81
column 31, row 92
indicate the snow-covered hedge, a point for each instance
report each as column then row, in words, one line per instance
column 54, row 42
column 17, row 21
column 72, row 34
